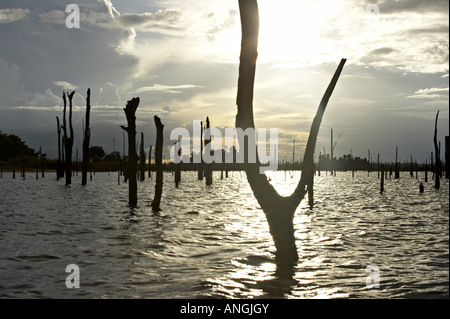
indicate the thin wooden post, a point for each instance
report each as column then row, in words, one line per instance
column 142, row 159
column 150, row 162
column 41, row 156
column 397, row 170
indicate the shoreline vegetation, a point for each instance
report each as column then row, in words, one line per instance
column 361, row 165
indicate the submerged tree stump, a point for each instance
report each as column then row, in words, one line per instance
column 142, row 160
column 130, row 112
column 447, row 157
column 59, row 167
column 437, row 165
column 68, row 140
column 208, row 167
column 150, row 162
column 200, row 165
column 86, row 140
column 158, row 164
column 397, row 169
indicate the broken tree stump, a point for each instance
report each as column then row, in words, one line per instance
column 130, row 112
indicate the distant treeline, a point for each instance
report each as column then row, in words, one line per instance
column 15, row 153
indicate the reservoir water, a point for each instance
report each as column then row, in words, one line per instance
column 214, row 242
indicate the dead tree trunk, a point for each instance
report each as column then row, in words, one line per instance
column 208, row 167
column 59, row 169
column 200, row 165
column 177, row 168
column 68, row 140
column 279, row 210
column 86, row 140
column 142, row 159
column 397, row 169
column 130, row 112
column 447, row 157
column 41, row 157
column 437, row 165
column 158, row 165
column 150, row 162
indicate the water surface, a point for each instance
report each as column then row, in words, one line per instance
column 213, row 242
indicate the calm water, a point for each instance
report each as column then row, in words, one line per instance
column 213, row 242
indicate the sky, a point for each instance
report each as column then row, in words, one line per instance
column 180, row 57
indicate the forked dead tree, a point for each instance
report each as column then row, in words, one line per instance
column 68, row 140
column 279, row 210
column 130, row 112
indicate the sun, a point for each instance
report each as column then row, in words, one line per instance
column 290, row 30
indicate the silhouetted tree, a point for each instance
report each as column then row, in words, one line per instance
column 447, row 157
column 207, row 167
column 68, row 140
column 142, row 159
column 279, row 210
column 150, row 162
column 200, row 165
column 59, row 166
column 437, row 165
column 86, row 139
column 158, row 164
column 130, row 112
column 96, row 153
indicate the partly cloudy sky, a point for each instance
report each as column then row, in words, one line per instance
column 181, row 58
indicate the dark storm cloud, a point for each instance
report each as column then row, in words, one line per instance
column 439, row 28
column 396, row 6
column 40, row 50
column 166, row 18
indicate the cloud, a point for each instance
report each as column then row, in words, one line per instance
column 109, row 95
column 381, row 51
column 48, row 99
column 175, row 89
column 430, row 93
column 437, row 28
column 66, row 85
column 12, row 91
column 400, row 6
column 168, row 19
column 11, row 15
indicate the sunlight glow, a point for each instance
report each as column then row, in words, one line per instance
column 289, row 30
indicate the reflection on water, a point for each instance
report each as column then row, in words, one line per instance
column 214, row 242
